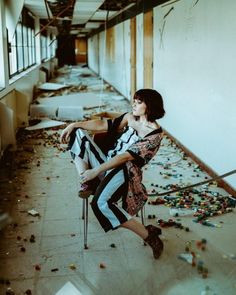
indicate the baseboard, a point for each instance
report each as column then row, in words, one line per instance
column 221, row 182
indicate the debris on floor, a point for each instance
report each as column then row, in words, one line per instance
column 202, row 202
column 40, row 170
column 193, row 258
column 33, row 212
column 5, row 219
column 72, row 267
column 51, row 86
column 102, row 265
column 45, row 123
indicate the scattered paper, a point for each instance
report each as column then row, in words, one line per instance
column 33, row 212
column 186, row 257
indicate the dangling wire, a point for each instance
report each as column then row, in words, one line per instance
column 124, row 66
column 103, row 63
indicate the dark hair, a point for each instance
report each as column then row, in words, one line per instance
column 153, row 101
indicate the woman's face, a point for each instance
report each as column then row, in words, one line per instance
column 139, row 108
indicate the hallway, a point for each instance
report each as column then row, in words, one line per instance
column 42, row 251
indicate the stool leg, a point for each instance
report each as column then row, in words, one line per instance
column 143, row 215
column 143, row 219
column 83, row 208
column 85, row 223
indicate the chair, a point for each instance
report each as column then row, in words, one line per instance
column 99, row 140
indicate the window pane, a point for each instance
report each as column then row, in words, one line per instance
column 20, row 58
column 25, row 48
column 13, row 57
column 30, row 46
column 43, row 47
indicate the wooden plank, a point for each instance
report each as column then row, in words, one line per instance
column 148, row 49
column 133, row 55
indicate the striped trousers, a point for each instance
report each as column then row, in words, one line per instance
column 113, row 184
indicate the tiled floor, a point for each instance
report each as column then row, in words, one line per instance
column 43, row 178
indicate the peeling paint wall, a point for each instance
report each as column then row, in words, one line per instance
column 93, row 52
column 139, row 53
column 194, row 69
column 113, row 57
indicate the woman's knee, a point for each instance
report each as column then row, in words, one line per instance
column 81, row 132
column 98, row 203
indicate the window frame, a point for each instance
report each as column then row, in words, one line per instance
column 23, row 43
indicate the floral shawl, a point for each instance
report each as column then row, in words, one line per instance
column 142, row 151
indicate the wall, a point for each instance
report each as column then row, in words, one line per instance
column 194, row 69
column 14, row 103
column 113, row 57
column 16, row 93
column 93, row 53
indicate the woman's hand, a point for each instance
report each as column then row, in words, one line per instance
column 89, row 175
column 66, row 133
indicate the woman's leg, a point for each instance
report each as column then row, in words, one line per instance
column 137, row 227
column 111, row 216
column 86, row 154
column 104, row 204
column 80, row 165
column 150, row 234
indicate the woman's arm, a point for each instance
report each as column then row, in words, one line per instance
column 112, row 163
column 91, row 125
column 124, row 122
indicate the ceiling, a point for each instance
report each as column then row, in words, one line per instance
column 77, row 17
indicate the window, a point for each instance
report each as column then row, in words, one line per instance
column 3, row 63
column 43, row 46
column 21, row 49
column 13, row 56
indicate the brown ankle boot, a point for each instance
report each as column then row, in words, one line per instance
column 154, row 241
column 153, row 229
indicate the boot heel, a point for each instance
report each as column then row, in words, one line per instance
column 154, row 241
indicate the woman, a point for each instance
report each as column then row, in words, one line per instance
column 133, row 139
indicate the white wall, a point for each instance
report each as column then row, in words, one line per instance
column 139, row 52
column 93, row 49
column 117, row 70
column 194, row 69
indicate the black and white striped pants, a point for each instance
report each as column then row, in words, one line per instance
column 113, row 185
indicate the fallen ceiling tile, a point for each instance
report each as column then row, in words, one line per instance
column 51, row 86
column 87, row 100
column 45, row 123
column 41, row 110
column 70, row 113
